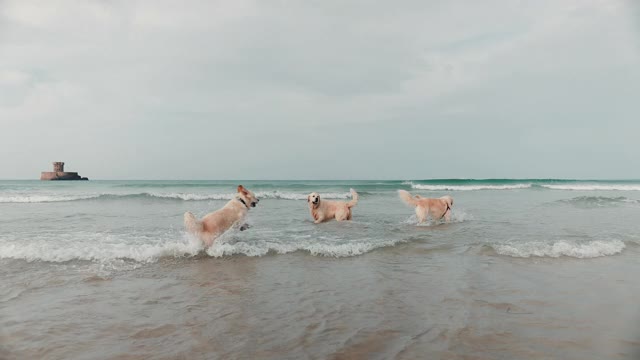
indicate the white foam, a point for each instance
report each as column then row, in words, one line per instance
column 275, row 194
column 457, row 216
column 581, row 250
column 98, row 247
column 282, row 195
column 190, row 196
column 298, row 196
column 110, row 249
column 468, row 187
column 22, row 198
column 598, row 201
column 594, row 187
column 315, row 248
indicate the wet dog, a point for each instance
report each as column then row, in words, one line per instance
column 216, row 223
column 437, row 208
column 325, row 210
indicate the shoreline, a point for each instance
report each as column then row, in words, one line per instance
column 395, row 302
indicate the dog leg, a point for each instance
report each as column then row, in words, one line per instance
column 447, row 214
column 421, row 214
column 208, row 240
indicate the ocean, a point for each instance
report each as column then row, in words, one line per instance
column 526, row 269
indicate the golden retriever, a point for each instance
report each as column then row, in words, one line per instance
column 438, row 208
column 325, row 210
column 216, row 223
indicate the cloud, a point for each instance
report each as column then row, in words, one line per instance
column 143, row 83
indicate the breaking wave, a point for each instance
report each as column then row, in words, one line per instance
column 597, row 201
column 570, row 185
column 44, row 198
column 104, row 248
column 313, row 247
column 593, row 187
column 282, row 195
column 444, row 187
column 98, row 247
column 457, row 216
column 555, row 249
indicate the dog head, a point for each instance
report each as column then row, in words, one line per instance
column 248, row 197
column 314, row 199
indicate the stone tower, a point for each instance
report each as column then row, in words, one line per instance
column 58, row 166
column 58, row 173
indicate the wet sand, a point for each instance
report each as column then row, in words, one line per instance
column 412, row 301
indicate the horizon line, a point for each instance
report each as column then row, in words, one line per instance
column 425, row 179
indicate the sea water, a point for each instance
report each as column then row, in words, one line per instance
column 62, row 243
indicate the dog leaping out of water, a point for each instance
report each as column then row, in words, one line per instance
column 216, row 223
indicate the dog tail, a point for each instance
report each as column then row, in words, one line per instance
column 192, row 224
column 354, row 199
column 407, row 198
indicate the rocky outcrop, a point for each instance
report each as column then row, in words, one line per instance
column 51, row 175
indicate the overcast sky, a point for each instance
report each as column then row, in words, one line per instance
column 320, row 89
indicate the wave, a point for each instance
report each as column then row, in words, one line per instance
column 103, row 248
column 44, row 198
column 445, row 187
column 457, row 216
column 593, row 187
column 281, row 195
column 597, row 201
column 275, row 194
column 470, row 185
column 315, row 248
column 555, row 249
column 99, row 248
column 173, row 184
column 299, row 196
column 65, row 198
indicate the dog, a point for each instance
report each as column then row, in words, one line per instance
column 216, row 223
column 325, row 210
column 438, row 208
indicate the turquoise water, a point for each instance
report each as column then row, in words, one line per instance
column 536, row 269
column 141, row 221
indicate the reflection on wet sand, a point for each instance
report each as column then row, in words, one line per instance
column 401, row 303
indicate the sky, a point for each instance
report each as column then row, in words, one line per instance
column 320, row 89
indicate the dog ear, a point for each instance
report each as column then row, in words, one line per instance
column 309, row 198
column 241, row 189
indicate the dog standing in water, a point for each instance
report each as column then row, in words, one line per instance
column 216, row 223
column 438, row 208
column 324, row 210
